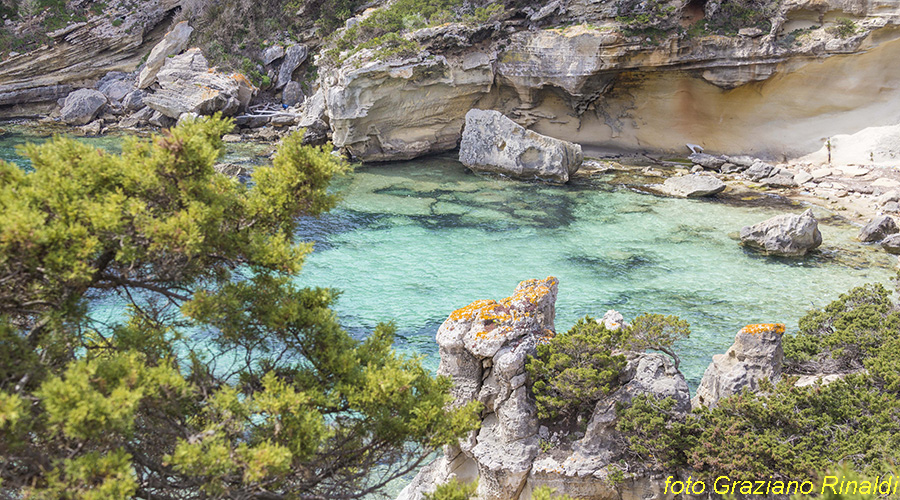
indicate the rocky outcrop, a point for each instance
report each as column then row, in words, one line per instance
column 293, row 58
column 82, row 106
column 891, row 244
column 492, row 142
column 188, row 85
column 397, row 110
column 784, row 235
column 80, row 54
column 878, row 229
column 692, row 186
column 172, row 44
column 756, row 355
column 484, row 347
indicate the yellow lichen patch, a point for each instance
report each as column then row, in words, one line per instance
column 546, row 336
column 469, row 312
column 763, row 328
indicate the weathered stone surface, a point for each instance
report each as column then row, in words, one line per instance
column 161, row 120
column 172, row 44
column 483, row 348
column 756, row 354
column 383, row 111
column 779, row 178
column 134, row 101
column 492, row 142
column 272, row 54
column 802, row 177
column 692, row 186
column 891, row 244
column 82, row 106
column 707, row 161
column 188, row 85
column 79, row 55
column 784, row 235
column 613, row 320
column 116, row 85
column 759, row 170
column 293, row 58
column 292, row 94
column 877, row 229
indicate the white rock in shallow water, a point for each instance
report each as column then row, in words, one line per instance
column 492, row 142
column 692, row 186
column 784, row 235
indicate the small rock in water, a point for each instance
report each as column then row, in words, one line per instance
column 707, row 161
column 891, row 244
column 878, row 228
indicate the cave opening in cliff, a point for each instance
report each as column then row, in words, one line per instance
column 693, row 12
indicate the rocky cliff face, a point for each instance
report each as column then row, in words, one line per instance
column 80, row 54
column 484, row 347
column 821, row 69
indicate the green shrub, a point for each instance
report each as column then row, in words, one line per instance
column 574, row 370
column 844, row 27
column 843, row 335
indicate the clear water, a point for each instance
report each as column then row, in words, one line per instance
column 413, row 241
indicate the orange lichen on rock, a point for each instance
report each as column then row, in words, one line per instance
column 763, row 328
column 529, row 291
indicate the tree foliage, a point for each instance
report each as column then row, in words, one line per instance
column 574, row 370
column 784, row 431
column 220, row 378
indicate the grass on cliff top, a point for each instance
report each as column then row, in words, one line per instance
column 383, row 30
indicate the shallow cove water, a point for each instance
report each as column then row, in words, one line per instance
column 413, row 241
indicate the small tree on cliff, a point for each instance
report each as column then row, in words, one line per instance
column 224, row 379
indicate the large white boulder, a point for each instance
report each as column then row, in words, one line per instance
column 784, row 235
column 188, row 85
column 491, row 142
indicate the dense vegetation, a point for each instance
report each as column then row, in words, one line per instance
column 574, row 370
column 223, row 380
column 784, row 431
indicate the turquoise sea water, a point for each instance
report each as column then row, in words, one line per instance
column 413, row 241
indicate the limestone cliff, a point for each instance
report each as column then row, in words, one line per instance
column 80, row 54
column 824, row 67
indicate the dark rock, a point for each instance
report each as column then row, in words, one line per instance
column 759, row 170
column 878, row 228
column 292, row 94
column 891, row 244
column 82, row 106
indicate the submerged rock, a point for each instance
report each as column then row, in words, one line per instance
column 784, row 235
column 492, row 142
column 877, row 229
column 692, row 186
column 756, row 354
column 82, row 106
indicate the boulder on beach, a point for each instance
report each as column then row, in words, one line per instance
column 82, row 106
column 784, row 235
column 491, row 142
column 189, row 85
column 878, row 229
